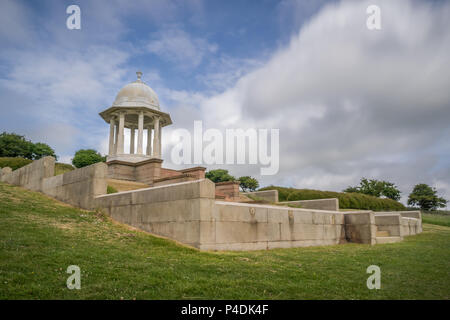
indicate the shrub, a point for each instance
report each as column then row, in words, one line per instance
column 111, row 189
column 346, row 200
column 219, row 175
column 14, row 163
column 86, row 157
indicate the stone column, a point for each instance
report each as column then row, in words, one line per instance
column 111, row 136
column 116, row 139
column 160, row 142
column 149, row 141
column 120, row 137
column 156, row 144
column 140, row 132
column 132, row 131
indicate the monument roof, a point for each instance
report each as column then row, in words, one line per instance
column 137, row 94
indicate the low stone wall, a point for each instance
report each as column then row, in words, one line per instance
column 390, row 223
column 173, row 179
column 410, row 226
column 187, row 212
column 179, row 211
column 268, row 195
column 31, row 175
column 320, row 204
column 228, row 188
column 239, row 226
column 399, row 223
column 78, row 187
column 360, row 227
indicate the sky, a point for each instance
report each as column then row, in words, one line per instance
column 349, row 102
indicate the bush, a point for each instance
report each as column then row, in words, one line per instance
column 111, row 189
column 86, row 157
column 14, row 163
column 219, row 175
column 346, row 200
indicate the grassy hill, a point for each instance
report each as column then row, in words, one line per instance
column 40, row 238
column 346, row 200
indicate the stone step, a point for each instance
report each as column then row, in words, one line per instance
column 383, row 234
column 381, row 240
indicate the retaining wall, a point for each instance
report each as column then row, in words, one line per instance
column 321, row 204
column 179, row 211
column 269, row 195
column 78, row 187
column 31, row 175
column 399, row 223
column 187, row 212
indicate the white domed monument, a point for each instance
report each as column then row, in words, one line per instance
column 137, row 108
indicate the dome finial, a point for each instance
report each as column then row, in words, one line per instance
column 139, row 75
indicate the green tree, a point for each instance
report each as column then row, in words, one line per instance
column 248, row 183
column 219, row 175
column 86, row 157
column 14, row 145
column 376, row 188
column 42, row 150
column 426, row 198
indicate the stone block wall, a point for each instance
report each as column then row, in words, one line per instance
column 320, row 204
column 390, row 223
column 360, row 227
column 78, row 187
column 177, row 211
column 31, row 175
column 230, row 189
column 399, row 223
column 269, row 195
column 239, row 226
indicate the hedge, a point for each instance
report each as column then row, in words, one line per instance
column 346, row 200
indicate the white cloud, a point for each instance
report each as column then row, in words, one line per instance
column 175, row 45
column 351, row 102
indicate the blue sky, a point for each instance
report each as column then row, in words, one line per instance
column 348, row 102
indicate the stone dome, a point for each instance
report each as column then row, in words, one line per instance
column 137, row 94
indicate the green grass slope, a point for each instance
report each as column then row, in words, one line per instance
column 40, row 238
column 346, row 200
column 13, row 163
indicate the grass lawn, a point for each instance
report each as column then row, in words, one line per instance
column 40, row 238
column 436, row 218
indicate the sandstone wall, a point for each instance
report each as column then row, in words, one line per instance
column 78, row 187
column 360, row 227
column 321, row 204
column 269, row 195
column 239, row 226
column 179, row 211
column 31, row 175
